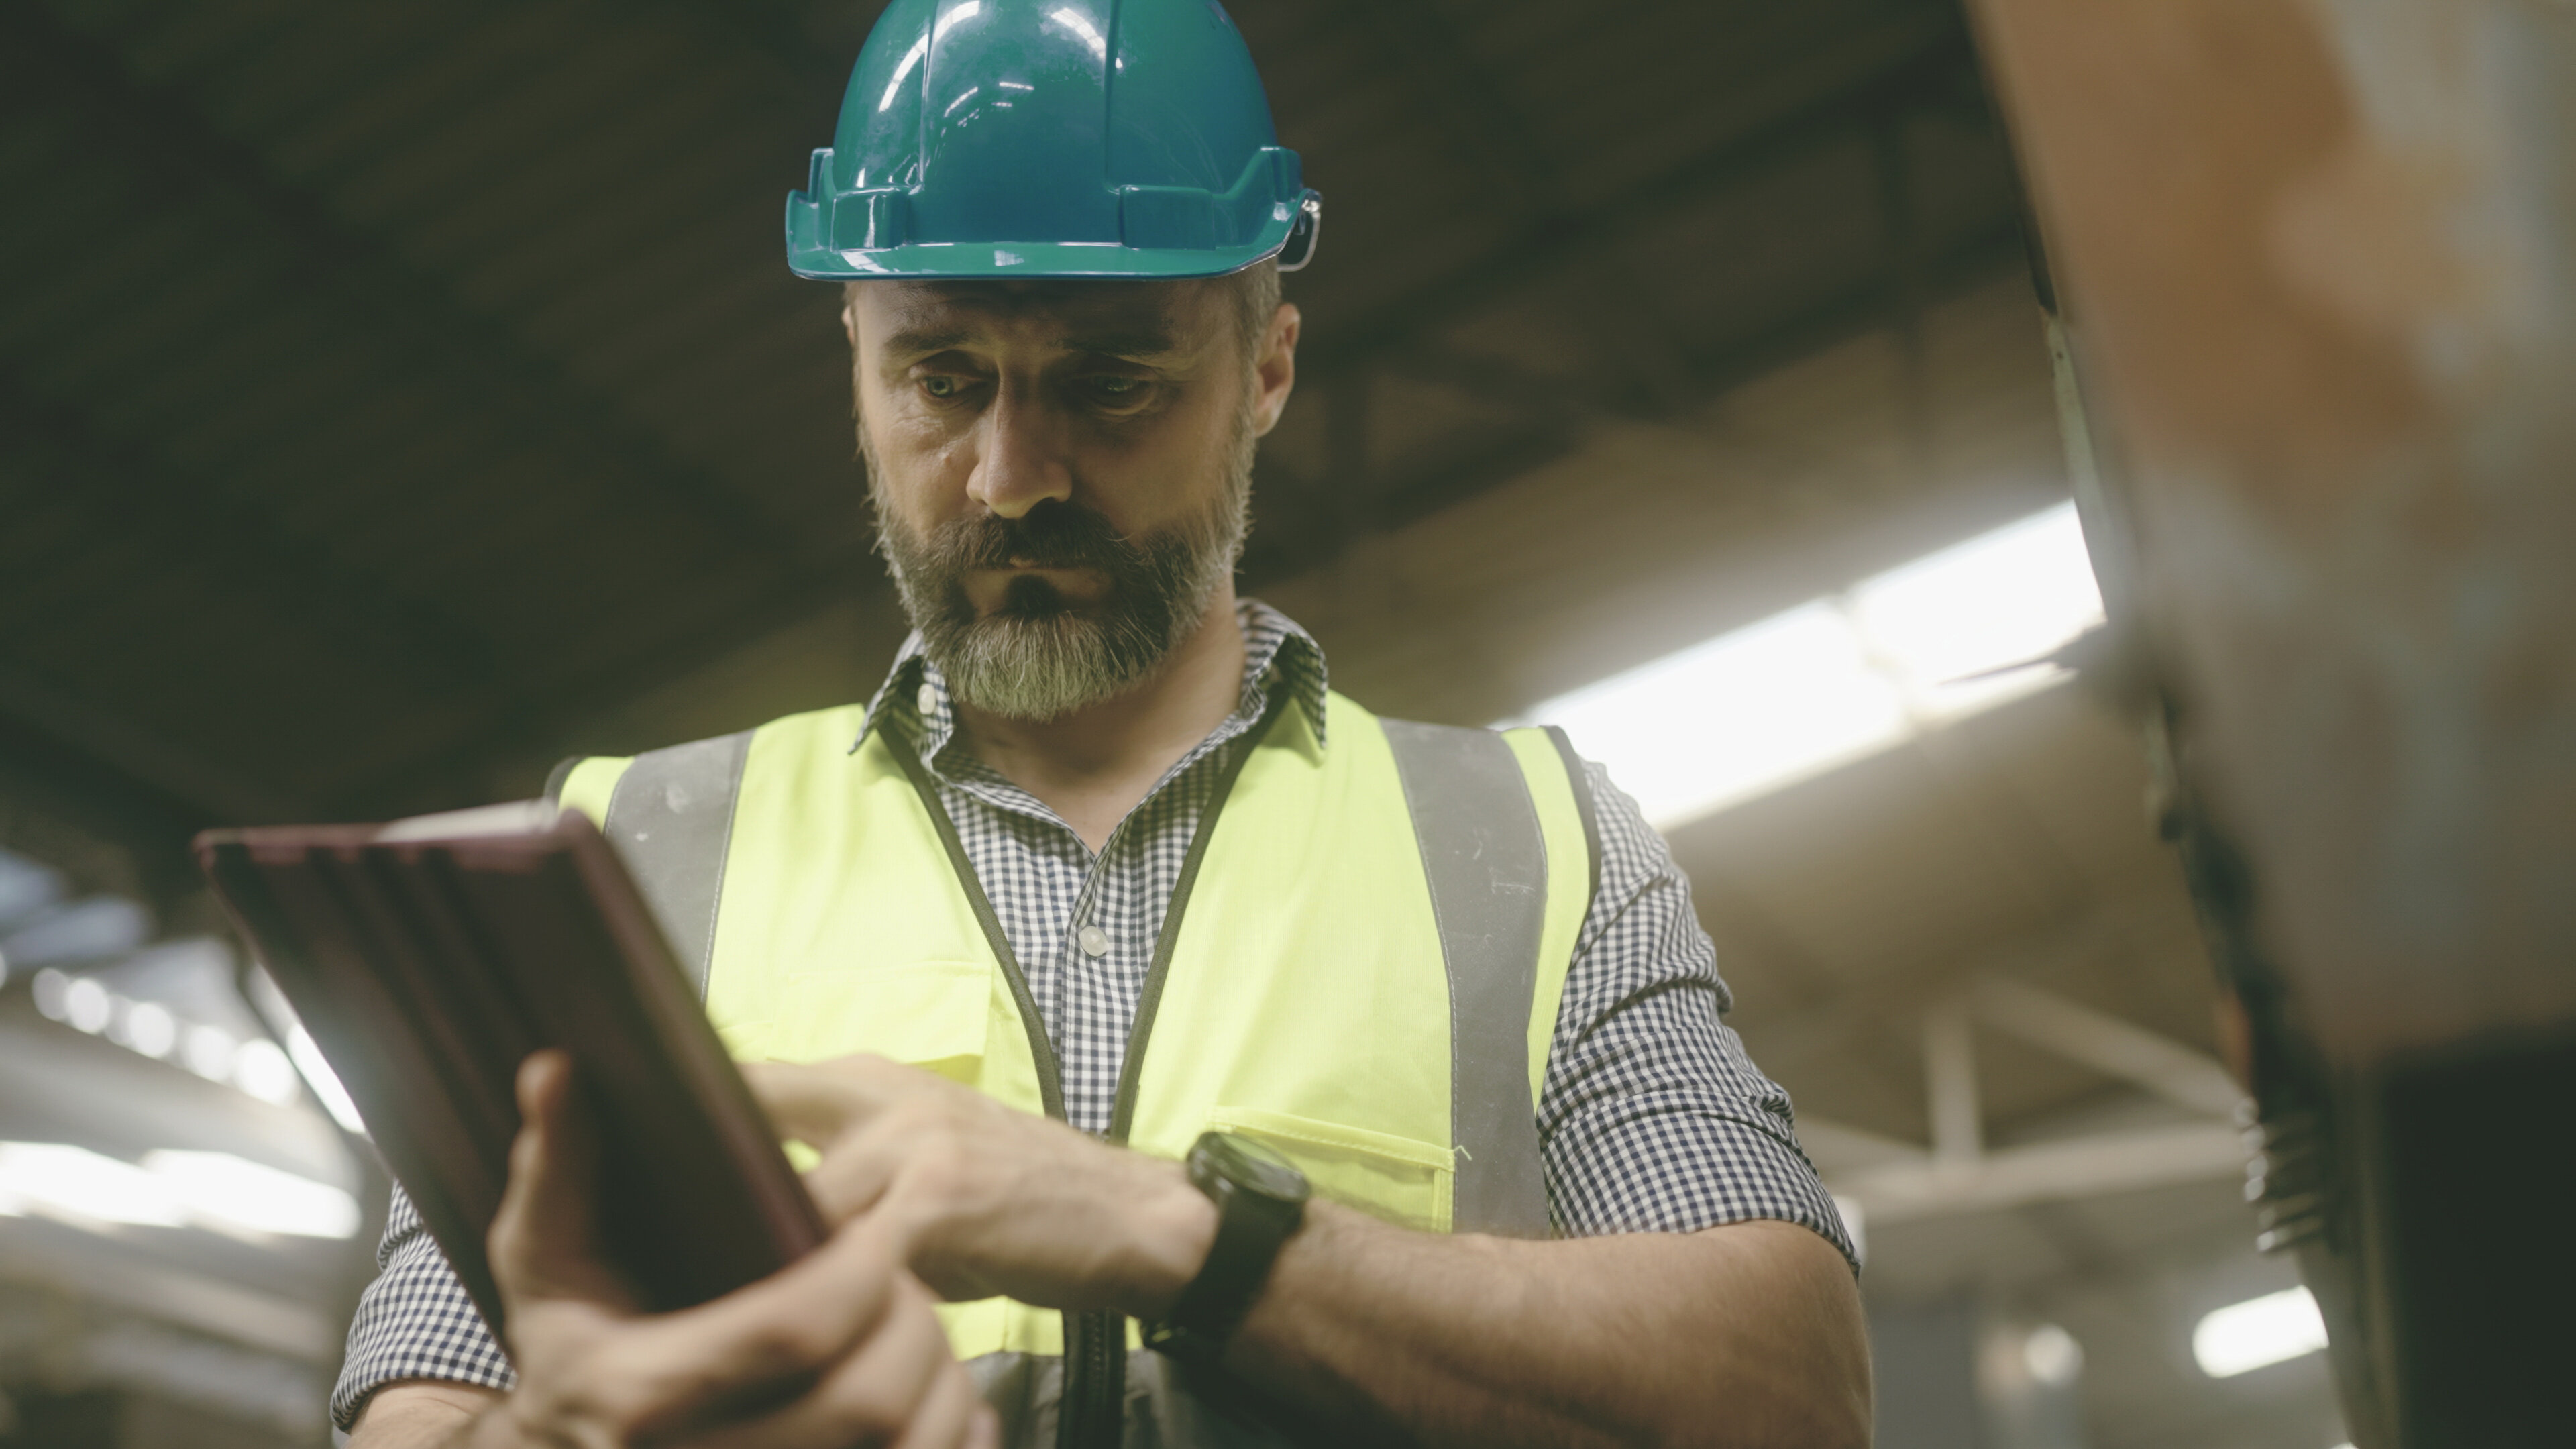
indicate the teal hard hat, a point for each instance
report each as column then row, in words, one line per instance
column 1052, row 138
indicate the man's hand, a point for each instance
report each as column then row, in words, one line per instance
column 1743, row 1335
column 988, row 1200
column 838, row 1349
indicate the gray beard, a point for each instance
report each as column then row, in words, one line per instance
column 1039, row 657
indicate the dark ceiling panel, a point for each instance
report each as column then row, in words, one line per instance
column 431, row 383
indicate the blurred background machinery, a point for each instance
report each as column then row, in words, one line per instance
column 2332, row 495
column 395, row 398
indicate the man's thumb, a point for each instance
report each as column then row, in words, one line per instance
column 545, row 1241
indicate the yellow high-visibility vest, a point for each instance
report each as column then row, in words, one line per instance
column 1360, row 965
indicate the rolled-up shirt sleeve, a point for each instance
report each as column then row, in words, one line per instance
column 1652, row 1117
column 414, row 1322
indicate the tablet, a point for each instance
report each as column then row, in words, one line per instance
column 429, row 957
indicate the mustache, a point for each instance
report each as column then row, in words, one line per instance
column 1051, row 535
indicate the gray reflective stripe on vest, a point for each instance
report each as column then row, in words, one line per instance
column 1486, row 858
column 1483, row 854
column 671, row 818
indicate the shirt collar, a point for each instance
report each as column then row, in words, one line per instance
column 1276, row 651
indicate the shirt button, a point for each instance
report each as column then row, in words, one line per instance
column 927, row 701
column 1095, row 941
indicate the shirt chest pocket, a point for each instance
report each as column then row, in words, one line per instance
column 930, row 1014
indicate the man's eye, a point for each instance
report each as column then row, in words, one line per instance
column 939, row 386
column 1117, row 388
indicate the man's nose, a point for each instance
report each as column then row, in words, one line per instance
column 1023, row 462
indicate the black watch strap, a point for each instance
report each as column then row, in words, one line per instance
column 1260, row 1199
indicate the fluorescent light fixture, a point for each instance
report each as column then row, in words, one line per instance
column 222, row 1190
column 73, row 1182
column 209, row 1052
column 2258, row 1332
column 2013, row 594
column 1840, row 678
column 2052, row 1355
column 87, row 1005
column 262, row 1070
column 149, row 1028
column 169, row 1190
column 51, row 990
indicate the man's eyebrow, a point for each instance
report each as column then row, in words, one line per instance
column 923, row 341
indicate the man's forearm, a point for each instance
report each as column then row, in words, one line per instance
column 1746, row 1335
column 427, row 1414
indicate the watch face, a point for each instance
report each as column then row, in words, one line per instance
column 1256, row 1166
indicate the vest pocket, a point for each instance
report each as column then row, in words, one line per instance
column 929, row 1014
column 1406, row 1182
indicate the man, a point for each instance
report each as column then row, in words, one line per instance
column 1106, row 878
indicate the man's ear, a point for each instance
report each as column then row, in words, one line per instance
column 850, row 316
column 1274, row 372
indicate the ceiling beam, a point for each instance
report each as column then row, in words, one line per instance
column 1906, row 1189
column 1938, row 72
column 1551, row 418
column 1522, row 174
column 2108, row 1045
column 1950, row 1086
column 1865, row 304
column 2082, row 936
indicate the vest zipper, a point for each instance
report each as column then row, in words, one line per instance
column 1092, row 1411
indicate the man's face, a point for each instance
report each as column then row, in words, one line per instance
column 1061, row 471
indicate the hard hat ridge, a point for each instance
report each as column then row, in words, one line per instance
column 1051, row 138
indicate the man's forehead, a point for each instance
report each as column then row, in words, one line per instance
column 1155, row 316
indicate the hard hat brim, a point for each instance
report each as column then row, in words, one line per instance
column 1005, row 261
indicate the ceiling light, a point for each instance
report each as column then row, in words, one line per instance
column 2258, row 1332
column 170, row 1189
column 87, row 1005
column 227, row 1191
column 51, row 988
column 260, row 1069
column 2052, row 1355
column 150, row 1029
column 1743, row 713
column 1840, row 678
column 74, row 1182
column 1942, row 623
column 209, row 1052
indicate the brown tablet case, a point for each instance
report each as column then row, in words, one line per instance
column 429, row 957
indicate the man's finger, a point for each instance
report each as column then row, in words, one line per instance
column 950, row 1417
column 816, row 1103
column 887, row 1381
column 697, row 1364
column 544, row 1239
column 852, row 1179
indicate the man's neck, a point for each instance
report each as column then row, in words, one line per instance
column 1094, row 765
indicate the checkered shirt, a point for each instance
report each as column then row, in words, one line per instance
column 1652, row 1117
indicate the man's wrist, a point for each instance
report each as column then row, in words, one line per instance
column 1175, row 1225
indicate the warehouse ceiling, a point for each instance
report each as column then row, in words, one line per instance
column 391, row 393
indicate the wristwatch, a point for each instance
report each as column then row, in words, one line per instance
column 1260, row 1199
